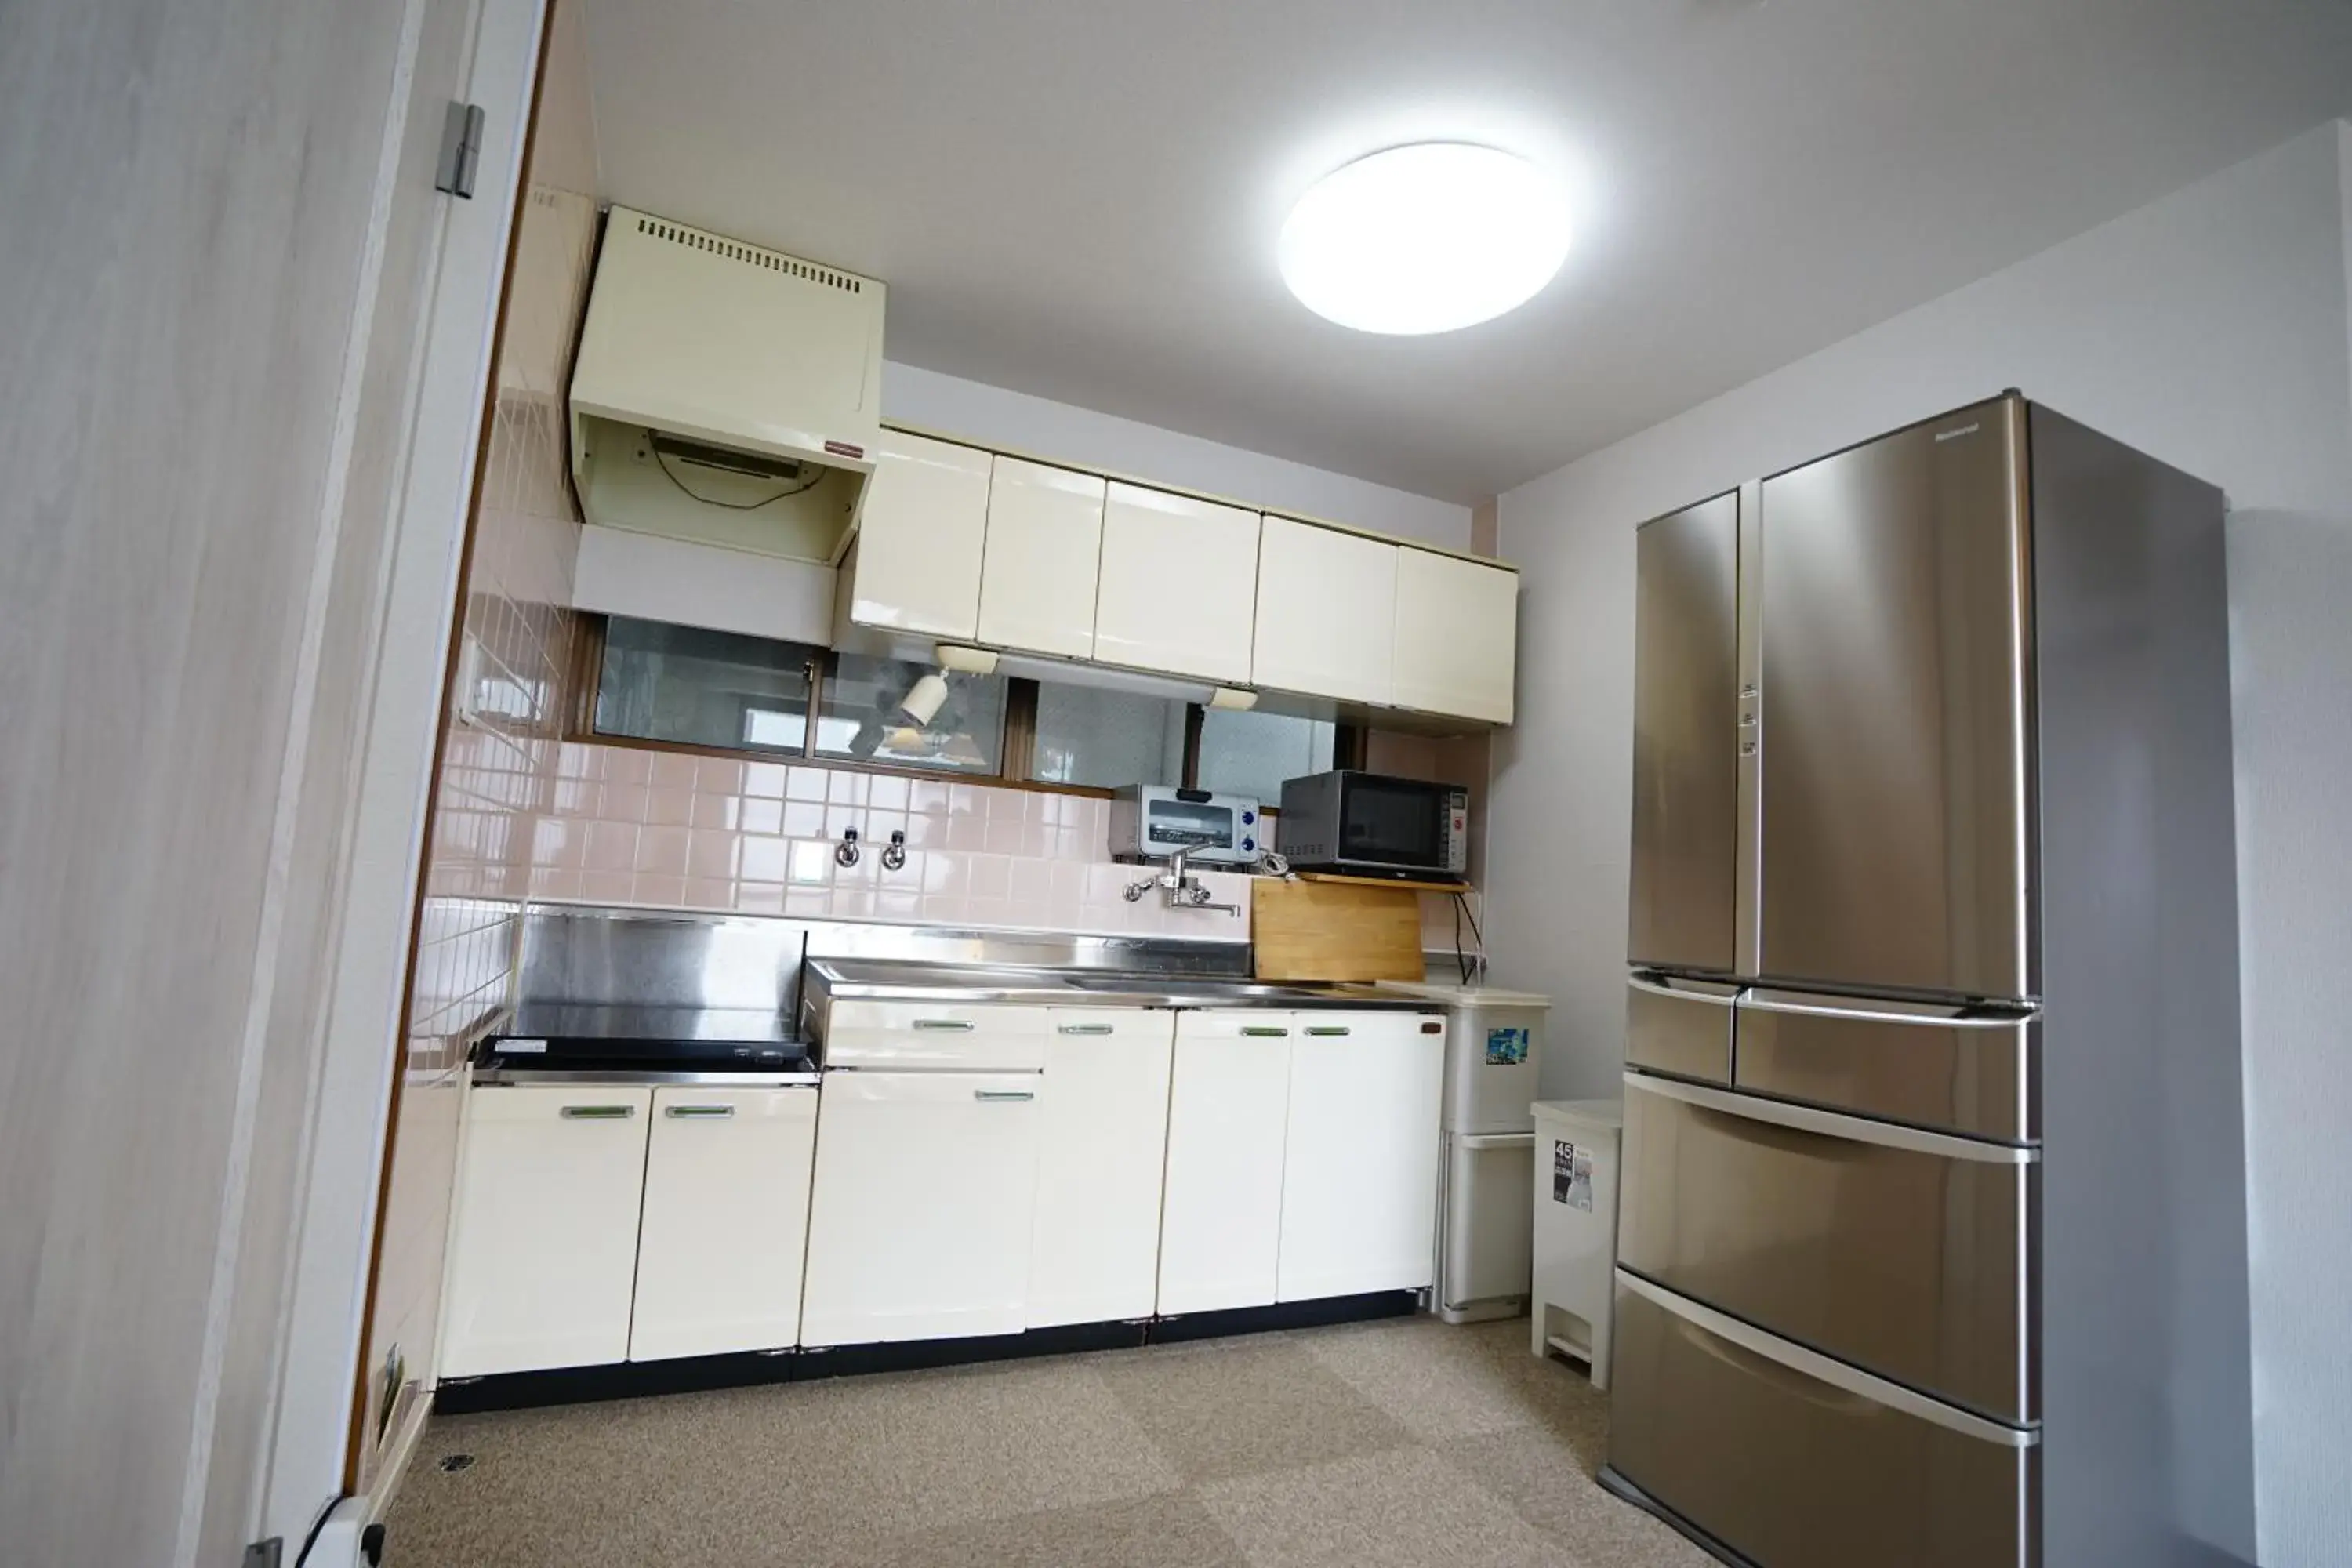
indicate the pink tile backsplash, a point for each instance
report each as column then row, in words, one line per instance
column 673, row 831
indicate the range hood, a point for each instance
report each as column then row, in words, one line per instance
column 725, row 394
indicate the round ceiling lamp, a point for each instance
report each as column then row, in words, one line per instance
column 1425, row 238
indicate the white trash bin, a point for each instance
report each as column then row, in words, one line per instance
column 1493, row 1042
column 1576, row 1229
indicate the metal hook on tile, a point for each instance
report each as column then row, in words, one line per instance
column 894, row 857
column 846, row 852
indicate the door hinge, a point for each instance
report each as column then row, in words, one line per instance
column 266, row 1553
column 461, row 151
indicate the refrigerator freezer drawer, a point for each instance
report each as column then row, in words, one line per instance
column 1901, row 1251
column 1963, row 1069
column 1679, row 1026
column 1797, row 1462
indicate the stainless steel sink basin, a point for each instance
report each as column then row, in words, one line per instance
column 1048, row 987
column 1217, row 986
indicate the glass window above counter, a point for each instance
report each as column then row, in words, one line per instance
column 871, row 712
column 722, row 692
column 698, row 688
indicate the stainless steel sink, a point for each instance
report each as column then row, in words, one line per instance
column 1217, row 986
column 1042, row 986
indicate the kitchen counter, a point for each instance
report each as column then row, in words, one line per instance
column 884, row 980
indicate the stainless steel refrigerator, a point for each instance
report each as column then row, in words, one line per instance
column 1933, row 1239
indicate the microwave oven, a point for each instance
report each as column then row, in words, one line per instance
column 1152, row 822
column 1370, row 825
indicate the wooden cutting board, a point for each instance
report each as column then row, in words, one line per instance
column 1335, row 931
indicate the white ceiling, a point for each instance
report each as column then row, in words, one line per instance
column 1079, row 200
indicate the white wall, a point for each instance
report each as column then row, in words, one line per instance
column 991, row 416
column 2211, row 329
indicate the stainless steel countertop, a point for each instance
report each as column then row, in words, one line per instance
column 832, row 979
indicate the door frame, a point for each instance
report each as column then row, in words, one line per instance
column 313, row 1443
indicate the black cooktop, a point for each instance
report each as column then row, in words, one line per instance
column 591, row 1038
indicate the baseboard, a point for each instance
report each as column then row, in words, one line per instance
column 688, row 1374
column 410, row 1411
column 1316, row 1314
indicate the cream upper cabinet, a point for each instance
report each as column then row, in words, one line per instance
column 1326, row 612
column 1179, row 584
column 1457, row 636
column 1037, row 577
column 918, row 547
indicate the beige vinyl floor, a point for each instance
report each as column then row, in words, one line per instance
column 1391, row 1445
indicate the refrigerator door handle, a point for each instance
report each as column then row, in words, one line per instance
column 1831, row 1124
column 1812, row 1005
column 1719, row 995
column 1824, row 1368
column 1495, row 1140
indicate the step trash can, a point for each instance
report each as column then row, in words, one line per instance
column 1576, row 1229
column 1494, row 1046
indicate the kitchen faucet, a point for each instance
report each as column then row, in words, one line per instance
column 1181, row 890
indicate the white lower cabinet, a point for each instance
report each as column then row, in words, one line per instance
column 920, row 1217
column 725, row 1222
column 1360, row 1154
column 1221, row 1217
column 1094, row 1254
column 544, row 1243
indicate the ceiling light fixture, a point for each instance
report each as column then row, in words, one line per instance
column 1425, row 238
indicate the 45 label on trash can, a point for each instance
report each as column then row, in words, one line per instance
column 1571, row 1175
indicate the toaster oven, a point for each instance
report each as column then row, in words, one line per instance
column 1152, row 822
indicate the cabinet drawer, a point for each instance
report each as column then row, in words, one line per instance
column 1965, row 1069
column 1790, row 1458
column 1903, row 1252
column 950, row 1034
column 1679, row 1026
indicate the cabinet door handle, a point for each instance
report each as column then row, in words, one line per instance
column 1326, row 1029
column 994, row 1095
column 960, row 1025
column 598, row 1113
column 712, row 1113
column 1265, row 1031
column 1084, row 1029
